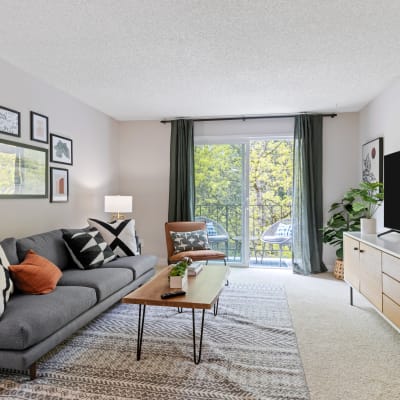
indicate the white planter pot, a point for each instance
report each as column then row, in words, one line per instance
column 368, row 226
column 178, row 282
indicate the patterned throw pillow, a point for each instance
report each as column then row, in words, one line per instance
column 5, row 288
column 187, row 241
column 119, row 235
column 88, row 248
column 211, row 231
column 5, row 263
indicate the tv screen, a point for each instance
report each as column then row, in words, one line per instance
column 391, row 180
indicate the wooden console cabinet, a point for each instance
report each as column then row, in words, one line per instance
column 372, row 267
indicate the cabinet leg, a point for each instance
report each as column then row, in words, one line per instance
column 351, row 296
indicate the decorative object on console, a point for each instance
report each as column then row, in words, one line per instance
column 60, row 149
column 372, row 161
column 120, row 235
column 88, row 249
column 117, row 205
column 27, row 170
column 59, row 185
column 187, row 241
column 39, row 127
column 35, row 275
column 10, row 121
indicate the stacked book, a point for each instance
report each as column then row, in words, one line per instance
column 195, row 268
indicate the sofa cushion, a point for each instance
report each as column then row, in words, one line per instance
column 88, row 249
column 120, row 235
column 139, row 265
column 35, row 275
column 5, row 288
column 49, row 245
column 105, row 281
column 9, row 246
column 28, row 319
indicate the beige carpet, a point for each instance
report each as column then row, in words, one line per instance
column 348, row 353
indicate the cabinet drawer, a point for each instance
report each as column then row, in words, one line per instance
column 391, row 288
column 391, row 266
column 391, row 310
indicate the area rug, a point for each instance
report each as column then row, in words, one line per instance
column 249, row 352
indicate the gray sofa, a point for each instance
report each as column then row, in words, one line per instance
column 33, row 324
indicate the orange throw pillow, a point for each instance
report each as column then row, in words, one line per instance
column 35, row 275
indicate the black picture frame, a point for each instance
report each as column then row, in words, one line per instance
column 59, row 185
column 24, row 172
column 372, row 160
column 61, row 149
column 39, row 127
column 10, row 122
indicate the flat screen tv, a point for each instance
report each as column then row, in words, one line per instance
column 391, row 180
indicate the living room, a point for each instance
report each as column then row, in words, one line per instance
column 122, row 148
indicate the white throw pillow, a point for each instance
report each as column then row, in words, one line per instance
column 5, row 263
column 120, row 235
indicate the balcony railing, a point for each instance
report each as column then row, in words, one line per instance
column 230, row 217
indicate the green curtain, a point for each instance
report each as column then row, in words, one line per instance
column 307, row 195
column 181, row 173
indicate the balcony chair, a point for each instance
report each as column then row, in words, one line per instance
column 216, row 233
column 195, row 255
column 279, row 233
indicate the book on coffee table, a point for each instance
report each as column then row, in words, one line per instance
column 195, row 268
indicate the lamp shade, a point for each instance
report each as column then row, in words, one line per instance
column 116, row 204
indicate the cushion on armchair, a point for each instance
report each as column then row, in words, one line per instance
column 187, row 241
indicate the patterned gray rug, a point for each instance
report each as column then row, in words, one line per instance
column 249, row 352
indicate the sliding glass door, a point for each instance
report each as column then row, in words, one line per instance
column 242, row 187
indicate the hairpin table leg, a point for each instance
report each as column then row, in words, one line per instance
column 195, row 357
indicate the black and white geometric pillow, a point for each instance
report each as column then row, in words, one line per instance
column 120, row 235
column 5, row 263
column 5, row 288
column 187, row 241
column 88, row 248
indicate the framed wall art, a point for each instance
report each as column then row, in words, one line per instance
column 10, row 122
column 39, row 127
column 23, row 172
column 372, row 160
column 60, row 149
column 59, row 185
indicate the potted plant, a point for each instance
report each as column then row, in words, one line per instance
column 368, row 198
column 178, row 275
column 347, row 214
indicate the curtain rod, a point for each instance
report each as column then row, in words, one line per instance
column 243, row 118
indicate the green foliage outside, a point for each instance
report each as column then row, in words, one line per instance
column 218, row 179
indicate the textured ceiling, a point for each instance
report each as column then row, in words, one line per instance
column 151, row 59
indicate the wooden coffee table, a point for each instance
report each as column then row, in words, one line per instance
column 202, row 293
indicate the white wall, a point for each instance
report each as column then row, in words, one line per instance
column 95, row 149
column 144, row 171
column 380, row 118
column 144, row 174
column 341, row 164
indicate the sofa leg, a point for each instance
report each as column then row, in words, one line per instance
column 32, row 371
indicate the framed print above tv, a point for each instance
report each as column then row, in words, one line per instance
column 372, row 160
column 10, row 122
column 60, row 149
column 39, row 127
column 23, row 172
column 59, row 185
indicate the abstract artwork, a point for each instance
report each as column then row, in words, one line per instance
column 23, row 172
column 372, row 161
column 10, row 122
column 39, row 127
column 59, row 186
column 60, row 149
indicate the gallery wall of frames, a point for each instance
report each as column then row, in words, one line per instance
column 29, row 171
